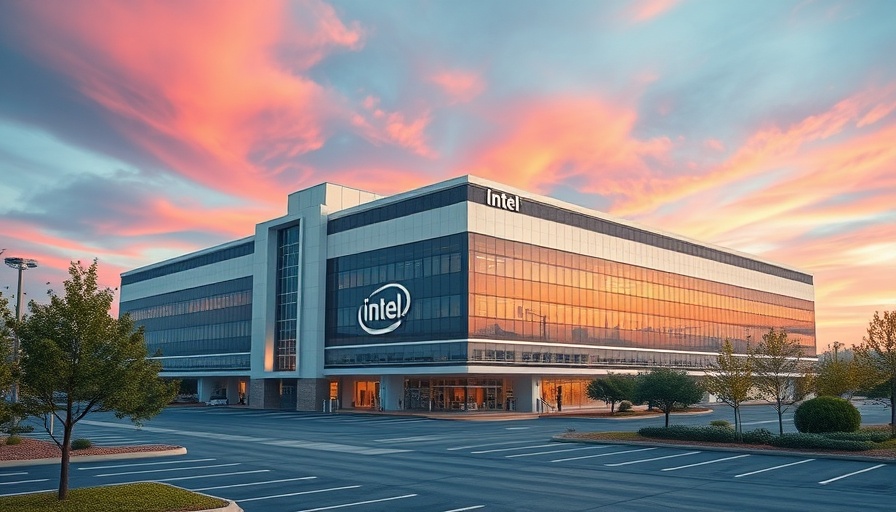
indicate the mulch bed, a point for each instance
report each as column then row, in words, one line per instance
column 30, row 449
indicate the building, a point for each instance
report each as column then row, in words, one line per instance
column 463, row 295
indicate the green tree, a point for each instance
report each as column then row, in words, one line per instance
column 778, row 372
column 612, row 389
column 7, row 365
column 730, row 378
column 876, row 355
column 78, row 359
column 837, row 374
column 666, row 389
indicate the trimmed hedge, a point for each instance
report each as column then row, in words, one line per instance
column 81, row 444
column 875, row 436
column 818, row 441
column 827, row 414
column 758, row 436
column 686, row 433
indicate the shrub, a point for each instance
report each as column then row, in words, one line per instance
column 827, row 414
column 81, row 444
column 862, row 435
column 720, row 423
column 686, row 433
column 818, row 441
column 625, row 406
column 13, row 440
column 758, row 436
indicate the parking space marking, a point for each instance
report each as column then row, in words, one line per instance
column 14, row 474
column 213, row 475
column 484, row 445
column 515, row 448
column 774, row 468
column 24, row 481
column 685, row 454
column 313, row 491
column 28, row 492
column 604, row 454
column 601, row 447
column 169, row 469
column 145, row 464
column 357, row 503
column 410, row 439
column 825, row 482
column 705, row 463
column 249, row 484
column 465, row 508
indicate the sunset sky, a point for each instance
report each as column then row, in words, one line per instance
column 137, row 131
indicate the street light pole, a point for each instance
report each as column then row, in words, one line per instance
column 20, row 264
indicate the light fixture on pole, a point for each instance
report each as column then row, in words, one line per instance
column 20, row 264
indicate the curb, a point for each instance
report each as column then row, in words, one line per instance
column 791, row 453
column 94, row 458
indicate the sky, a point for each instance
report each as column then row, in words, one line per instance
column 131, row 132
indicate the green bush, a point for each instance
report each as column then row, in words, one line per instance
column 720, row 423
column 13, row 440
column 862, row 435
column 818, row 441
column 827, row 414
column 686, row 433
column 758, row 436
column 625, row 406
column 81, row 444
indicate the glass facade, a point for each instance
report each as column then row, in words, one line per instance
column 197, row 329
column 287, row 310
column 525, row 305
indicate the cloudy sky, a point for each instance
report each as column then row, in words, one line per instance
column 136, row 131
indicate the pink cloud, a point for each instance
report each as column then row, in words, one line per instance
column 714, row 144
column 646, row 10
column 396, row 128
column 218, row 101
column 460, row 86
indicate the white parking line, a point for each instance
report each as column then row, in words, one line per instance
column 707, row 462
column 601, row 447
column 825, row 482
column 484, row 445
column 28, row 492
column 24, row 481
column 14, row 474
column 604, row 454
column 145, row 464
column 315, row 491
column 651, row 460
column 517, row 428
column 264, row 482
column 516, row 448
column 357, row 503
column 213, row 475
column 774, row 468
column 465, row 508
column 169, row 469
column 409, row 439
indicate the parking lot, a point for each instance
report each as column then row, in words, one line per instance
column 288, row 461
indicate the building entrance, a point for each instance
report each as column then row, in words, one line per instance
column 367, row 394
column 456, row 394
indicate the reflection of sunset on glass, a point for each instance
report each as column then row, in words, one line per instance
column 137, row 131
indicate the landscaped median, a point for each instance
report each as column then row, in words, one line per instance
column 27, row 452
column 871, row 443
column 141, row 496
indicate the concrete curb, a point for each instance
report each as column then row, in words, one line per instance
column 684, row 446
column 94, row 458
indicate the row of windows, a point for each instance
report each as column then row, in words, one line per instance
column 201, row 332
column 199, row 347
column 477, row 194
column 400, row 271
column 286, row 316
column 592, row 273
column 211, row 362
column 227, row 300
column 511, row 355
column 229, row 253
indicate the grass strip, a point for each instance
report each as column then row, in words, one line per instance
column 142, row 496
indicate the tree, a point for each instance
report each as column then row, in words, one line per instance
column 7, row 365
column 837, row 374
column 612, row 389
column 877, row 355
column 666, row 388
column 778, row 371
column 77, row 359
column 731, row 380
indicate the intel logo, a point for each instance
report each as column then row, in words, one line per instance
column 383, row 312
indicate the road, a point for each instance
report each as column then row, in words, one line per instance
column 291, row 461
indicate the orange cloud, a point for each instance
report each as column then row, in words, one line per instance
column 460, row 86
column 547, row 141
column 395, row 128
column 221, row 101
column 648, row 9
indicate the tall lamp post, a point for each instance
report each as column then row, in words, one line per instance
column 20, row 264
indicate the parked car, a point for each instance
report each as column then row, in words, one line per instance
column 217, row 400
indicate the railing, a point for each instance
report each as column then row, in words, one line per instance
column 543, row 406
